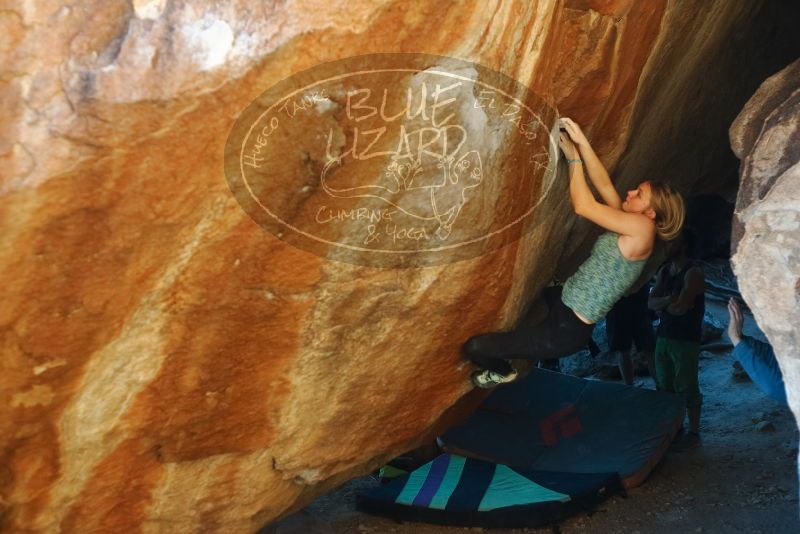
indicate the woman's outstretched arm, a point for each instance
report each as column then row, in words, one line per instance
column 585, row 205
column 594, row 167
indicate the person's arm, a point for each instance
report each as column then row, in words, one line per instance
column 693, row 284
column 659, row 303
column 758, row 359
column 585, row 205
column 735, row 321
column 615, row 220
column 594, row 167
column 658, row 299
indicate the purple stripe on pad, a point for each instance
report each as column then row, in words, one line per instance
column 433, row 481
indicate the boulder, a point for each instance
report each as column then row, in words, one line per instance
column 767, row 254
column 169, row 366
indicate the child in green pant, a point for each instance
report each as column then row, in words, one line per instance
column 679, row 296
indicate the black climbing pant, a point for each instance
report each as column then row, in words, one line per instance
column 558, row 334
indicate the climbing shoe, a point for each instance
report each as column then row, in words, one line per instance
column 486, row 379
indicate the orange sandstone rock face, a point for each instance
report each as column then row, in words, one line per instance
column 169, row 366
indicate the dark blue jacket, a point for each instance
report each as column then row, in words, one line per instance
column 758, row 359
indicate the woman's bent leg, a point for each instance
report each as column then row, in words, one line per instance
column 498, row 365
column 498, row 345
column 559, row 333
column 491, row 350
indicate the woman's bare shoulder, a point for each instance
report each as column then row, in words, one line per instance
column 638, row 244
column 640, row 226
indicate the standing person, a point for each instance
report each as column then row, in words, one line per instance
column 679, row 297
column 628, row 323
column 651, row 210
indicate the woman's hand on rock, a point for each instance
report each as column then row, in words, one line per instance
column 574, row 131
column 567, row 146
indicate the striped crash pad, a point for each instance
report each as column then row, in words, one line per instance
column 454, row 490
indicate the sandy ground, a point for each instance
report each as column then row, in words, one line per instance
column 739, row 480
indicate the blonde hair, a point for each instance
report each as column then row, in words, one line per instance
column 669, row 208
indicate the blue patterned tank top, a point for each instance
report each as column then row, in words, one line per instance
column 601, row 280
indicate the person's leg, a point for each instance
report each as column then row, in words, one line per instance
column 642, row 329
column 498, row 365
column 490, row 350
column 620, row 337
column 562, row 334
column 626, row 367
column 693, row 413
column 687, row 355
column 666, row 360
column 559, row 334
column 665, row 371
column 650, row 358
column 645, row 342
column 489, row 353
column 503, row 345
column 538, row 310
